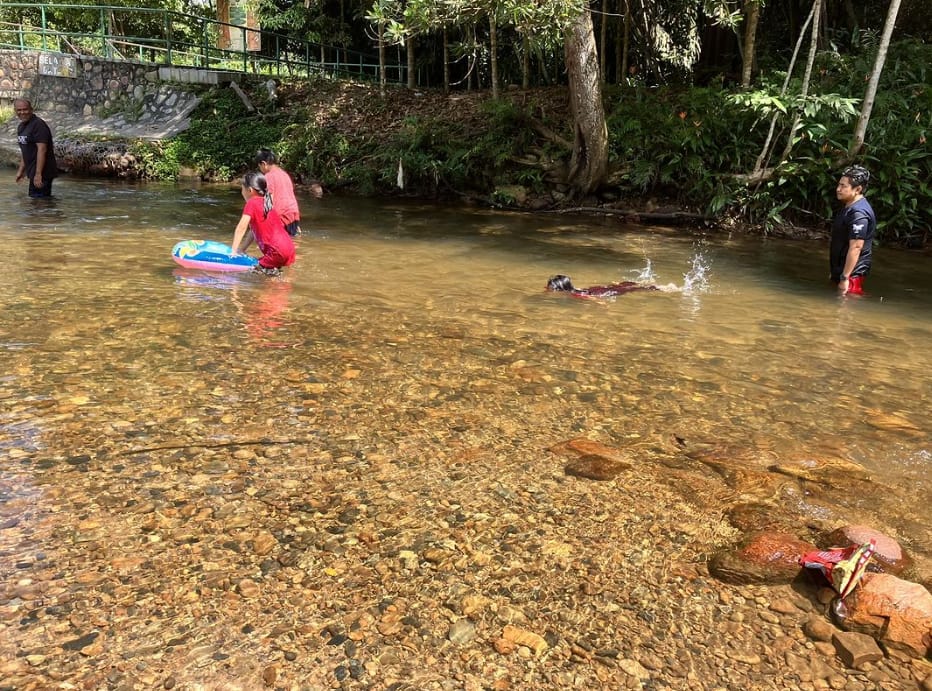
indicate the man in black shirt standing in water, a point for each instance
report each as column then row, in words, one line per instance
column 37, row 152
column 852, row 233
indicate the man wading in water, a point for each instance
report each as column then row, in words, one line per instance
column 37, row 152
column 852, row 233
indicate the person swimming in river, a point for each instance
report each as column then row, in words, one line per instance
column 563, row 284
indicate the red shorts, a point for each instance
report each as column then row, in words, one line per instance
column 273, row 259
column 856, row 285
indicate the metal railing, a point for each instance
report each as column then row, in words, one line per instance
column 166, row 37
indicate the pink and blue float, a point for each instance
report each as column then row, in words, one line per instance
column 208, row 255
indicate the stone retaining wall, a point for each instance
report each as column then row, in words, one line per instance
column 95, row 113
column 97, row 85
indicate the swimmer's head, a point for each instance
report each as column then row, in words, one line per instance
column 560, row 282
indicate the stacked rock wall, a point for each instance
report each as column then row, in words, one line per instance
column 95, row 107
column 96, row 85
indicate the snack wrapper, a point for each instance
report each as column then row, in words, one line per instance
column 841, row 567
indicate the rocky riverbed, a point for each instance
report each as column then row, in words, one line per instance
column 318, row 563
column 205, row 491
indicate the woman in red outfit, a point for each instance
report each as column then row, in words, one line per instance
column 259, row 222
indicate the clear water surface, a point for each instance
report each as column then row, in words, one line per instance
column 405, row 321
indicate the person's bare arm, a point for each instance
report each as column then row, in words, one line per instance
column 241, row 235
column 851, row 260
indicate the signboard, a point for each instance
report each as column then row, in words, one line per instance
column 58, row 65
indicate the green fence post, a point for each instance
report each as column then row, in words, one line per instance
column 44, row 27
column 104, row 47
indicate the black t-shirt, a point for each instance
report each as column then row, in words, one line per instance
column 855, row 222
column 35, row 131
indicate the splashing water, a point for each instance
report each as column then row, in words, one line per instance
column 646, row 274
column 696, row 280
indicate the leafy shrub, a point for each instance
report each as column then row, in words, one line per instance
column 220, row 144
column 677, row 142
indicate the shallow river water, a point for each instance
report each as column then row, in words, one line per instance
column 419, row 327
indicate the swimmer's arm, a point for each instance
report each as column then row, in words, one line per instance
column 241, row 235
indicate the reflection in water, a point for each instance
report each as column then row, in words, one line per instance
column 263, row 312
column 260, row 301
column 401, row 319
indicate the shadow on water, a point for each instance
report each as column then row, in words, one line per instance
column 396, row 314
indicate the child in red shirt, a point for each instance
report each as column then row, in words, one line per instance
column 259, row 222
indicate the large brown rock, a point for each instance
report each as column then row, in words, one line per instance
column 765, row 557
column 888, row 554
column 593, row 460
column 897, row 613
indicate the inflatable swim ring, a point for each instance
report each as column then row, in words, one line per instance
column 211, row 256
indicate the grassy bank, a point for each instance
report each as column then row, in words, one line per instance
column 681, row 148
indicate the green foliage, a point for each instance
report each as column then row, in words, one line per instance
column 220, row 144
column 81, row 24
column 692, row 144
column 436, row 156
column 696, row 145
column 156, row 160
column 677, row 142
column 896, row 149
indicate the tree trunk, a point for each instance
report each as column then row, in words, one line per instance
column 851, row 16
column 619, row 75
column 804, row 89
column 412, row 76
column 446, row 62
column 382, row 68
column 493, row 54
column 871, row 92
column 525, row 62
column 763, row 159
column 589, row 161
column 471, row 63
column 603, row 37
column 752, row 15
column 626, row 44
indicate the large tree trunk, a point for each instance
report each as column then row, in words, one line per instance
column 751, row 17
column 589, row 161
column 871, row 92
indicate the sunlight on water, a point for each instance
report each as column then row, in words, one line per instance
column 394, row 309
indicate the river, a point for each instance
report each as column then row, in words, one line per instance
column 413, row 327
